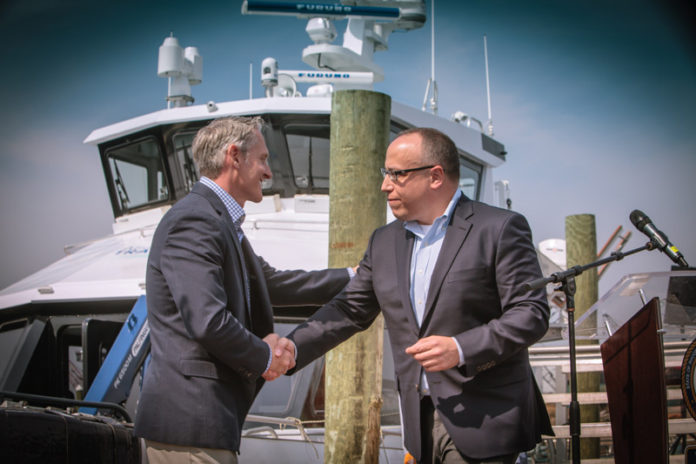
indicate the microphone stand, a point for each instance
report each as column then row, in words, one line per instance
column 567, row 280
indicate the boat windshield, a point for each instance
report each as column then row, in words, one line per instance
column 187, row 169
column 308, row 147
column 310, row 160
column 137, row 176
column 469, row 177
column 141, row 175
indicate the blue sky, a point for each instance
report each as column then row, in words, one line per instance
column 594, row 101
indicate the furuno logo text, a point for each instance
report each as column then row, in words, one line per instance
column 324, row 75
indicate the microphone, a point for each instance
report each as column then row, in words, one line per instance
column 657, row 237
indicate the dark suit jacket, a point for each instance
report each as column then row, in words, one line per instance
column 206, row 328
column 491, row 405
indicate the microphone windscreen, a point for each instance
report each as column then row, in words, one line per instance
column 639, row 219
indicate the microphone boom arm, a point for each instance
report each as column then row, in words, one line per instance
column 577, row 270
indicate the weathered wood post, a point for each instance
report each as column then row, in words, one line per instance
column 359, row 139
column 581, row 249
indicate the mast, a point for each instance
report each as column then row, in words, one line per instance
column 431, row 82
column 489, row 125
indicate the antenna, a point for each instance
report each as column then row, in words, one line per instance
column 183, row 67
column 489, row 125
column 251, row 75
column 367, row 31
column 431, row 81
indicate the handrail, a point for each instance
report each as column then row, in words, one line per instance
column 594, row 348
column 291, row 421
column 677, row 426
column 599, row 397
column 263, row 428
column 65, row 402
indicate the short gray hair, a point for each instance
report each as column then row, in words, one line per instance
column 211, row 142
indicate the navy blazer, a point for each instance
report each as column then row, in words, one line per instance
column 206, row 325
column 491, row 405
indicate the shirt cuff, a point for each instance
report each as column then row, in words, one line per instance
column 270, row 359
column 270, row 356
column 295, row 347
column 351, row 272
column 461, row 353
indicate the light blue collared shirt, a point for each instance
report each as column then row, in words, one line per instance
column 235, row 211
column 426, row 249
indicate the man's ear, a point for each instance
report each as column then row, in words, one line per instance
column 233, row 155
column 437, row 176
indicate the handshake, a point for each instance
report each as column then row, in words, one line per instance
column 283, row 351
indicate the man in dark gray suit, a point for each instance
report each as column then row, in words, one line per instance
column 210, row 305
column 448, row 276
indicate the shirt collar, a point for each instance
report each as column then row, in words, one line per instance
column 438, row 223
column 235, row 211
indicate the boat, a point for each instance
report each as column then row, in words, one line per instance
column 75, row 335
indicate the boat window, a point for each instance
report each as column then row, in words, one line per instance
column 11, row 335
column 308, row 146
column 137, row 174
column 184, row 159
column 469, row 178
column 27, row 363
column 395, row 129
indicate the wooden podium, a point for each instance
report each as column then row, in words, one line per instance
column 634, row 372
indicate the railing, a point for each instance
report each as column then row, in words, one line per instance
column 588, row 359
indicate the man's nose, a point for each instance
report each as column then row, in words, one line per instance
column 387, row 184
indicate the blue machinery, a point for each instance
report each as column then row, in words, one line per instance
column 127, row 354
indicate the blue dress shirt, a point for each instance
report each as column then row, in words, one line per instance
column 426, row 249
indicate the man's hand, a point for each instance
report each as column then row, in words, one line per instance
column 283, row 356
column 435, row 353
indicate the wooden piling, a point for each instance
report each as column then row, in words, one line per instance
column 581, row 249
column 359, row 139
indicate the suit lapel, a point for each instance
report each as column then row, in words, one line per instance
column 404, row 249
column 457, row 231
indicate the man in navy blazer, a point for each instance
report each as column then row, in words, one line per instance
column 210, row 305
column 448, row 276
